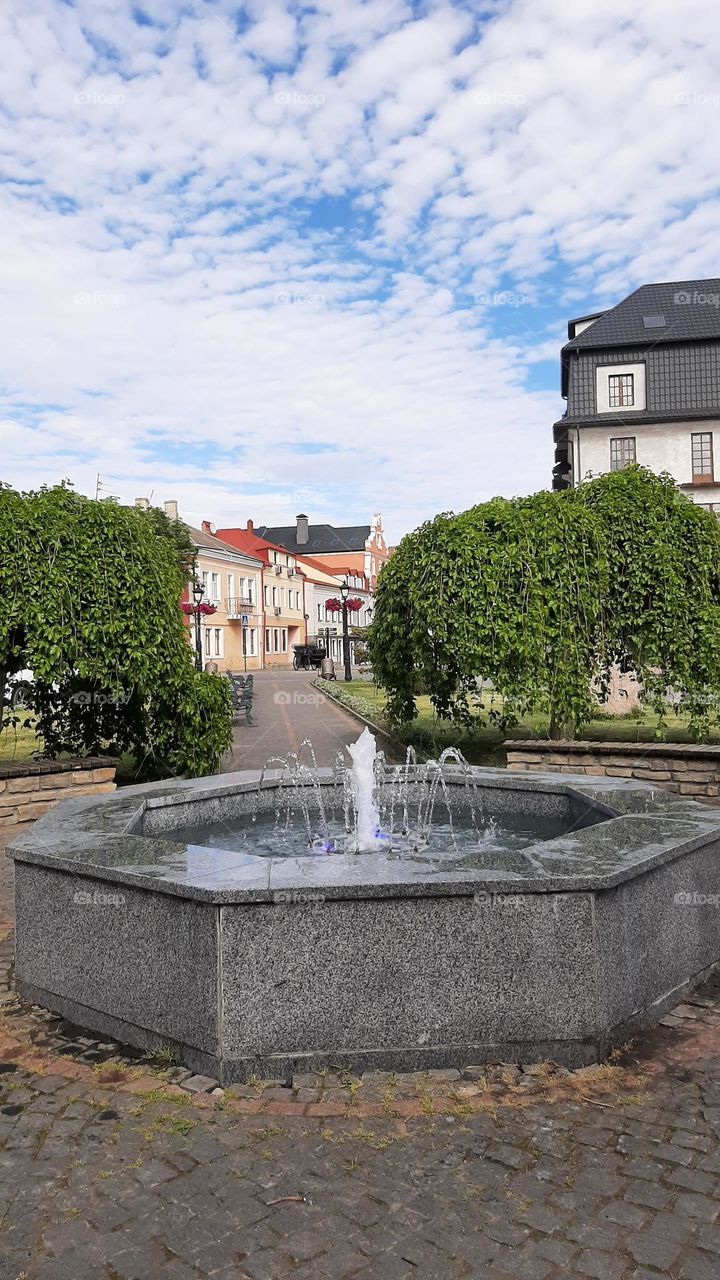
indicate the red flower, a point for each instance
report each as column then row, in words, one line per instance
column 189, row 608
column 335, row 606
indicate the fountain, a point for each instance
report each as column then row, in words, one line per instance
column 382, row 916
column 367, row 825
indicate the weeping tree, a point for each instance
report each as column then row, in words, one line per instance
column 89, row 603
column 542, row 596
column 661, row 611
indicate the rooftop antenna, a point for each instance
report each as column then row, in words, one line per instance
column 102, row 488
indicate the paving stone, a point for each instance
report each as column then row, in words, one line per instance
column 700, row 1207
column 699, row 1266
column 654, row 1250
column 594, row 1262
column 199, row 1084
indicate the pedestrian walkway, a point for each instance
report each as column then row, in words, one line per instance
column 287, row 710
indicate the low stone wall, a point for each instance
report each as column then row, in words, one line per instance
column 27, row 791
column 688, row 770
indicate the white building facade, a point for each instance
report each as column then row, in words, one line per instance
column 642, row 384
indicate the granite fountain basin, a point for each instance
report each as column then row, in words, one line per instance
column 245, row 964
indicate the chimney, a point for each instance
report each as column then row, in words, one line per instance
column 171, row 510
column 207, row 526
column 302, row 537
column 142, row 503
column 249, row 526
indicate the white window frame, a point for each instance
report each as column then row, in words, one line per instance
column 603, row 374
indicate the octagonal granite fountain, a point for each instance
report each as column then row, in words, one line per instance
column 377, row 917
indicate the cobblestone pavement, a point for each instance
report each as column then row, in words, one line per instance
column 117, row 1167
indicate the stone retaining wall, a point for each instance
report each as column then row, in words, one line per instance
column 686, row 769
column 27, row 791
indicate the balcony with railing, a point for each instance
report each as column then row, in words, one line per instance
column 238, row 606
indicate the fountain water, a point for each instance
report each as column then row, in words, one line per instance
column 363, row 754
column 432, row 813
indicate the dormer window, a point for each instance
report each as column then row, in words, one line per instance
column 621, row 390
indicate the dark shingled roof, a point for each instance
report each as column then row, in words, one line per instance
column 690, row 308
column 323, row 539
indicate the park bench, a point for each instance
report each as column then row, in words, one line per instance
column 241, row 694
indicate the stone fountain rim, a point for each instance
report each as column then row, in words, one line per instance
column 98, row 837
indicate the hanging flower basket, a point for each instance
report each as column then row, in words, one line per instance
column 333, row 605
column 189, row 609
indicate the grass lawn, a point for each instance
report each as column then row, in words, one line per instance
column 484, row 745
column 17, row 746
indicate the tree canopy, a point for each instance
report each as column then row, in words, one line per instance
column 90, row 603
column 543, row 595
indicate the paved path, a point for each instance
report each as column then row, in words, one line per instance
column 287, row 710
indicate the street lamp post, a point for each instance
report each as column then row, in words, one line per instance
column 198, row 592
column 344, row 593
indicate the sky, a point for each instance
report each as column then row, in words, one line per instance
column 282, row 257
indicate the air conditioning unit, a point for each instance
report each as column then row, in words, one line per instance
column 277, row 610
column 278, row 569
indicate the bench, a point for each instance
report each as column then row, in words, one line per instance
column 241, row 695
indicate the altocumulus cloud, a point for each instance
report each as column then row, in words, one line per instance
column 272, row 257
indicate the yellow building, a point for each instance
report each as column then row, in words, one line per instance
column 283, row 599
column 285, row 623
column 232, row 636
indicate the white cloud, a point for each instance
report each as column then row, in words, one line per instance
column 261, row 236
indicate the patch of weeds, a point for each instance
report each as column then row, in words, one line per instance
column 165, row 1055
column 461, row 1107
column 351, row 1166
column 351, row 1084
column 427, row 1106
column 270, row 1131
column 377, row 1141
column 166, row 1124
column 473, row 1190
column 160, row 1095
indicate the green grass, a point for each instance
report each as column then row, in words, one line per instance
column 17, row 746
column 484, row 744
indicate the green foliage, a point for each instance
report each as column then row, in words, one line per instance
column 89, row 601
column 662, row 606
column 541, row 595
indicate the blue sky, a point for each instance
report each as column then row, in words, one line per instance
column 282, row 256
